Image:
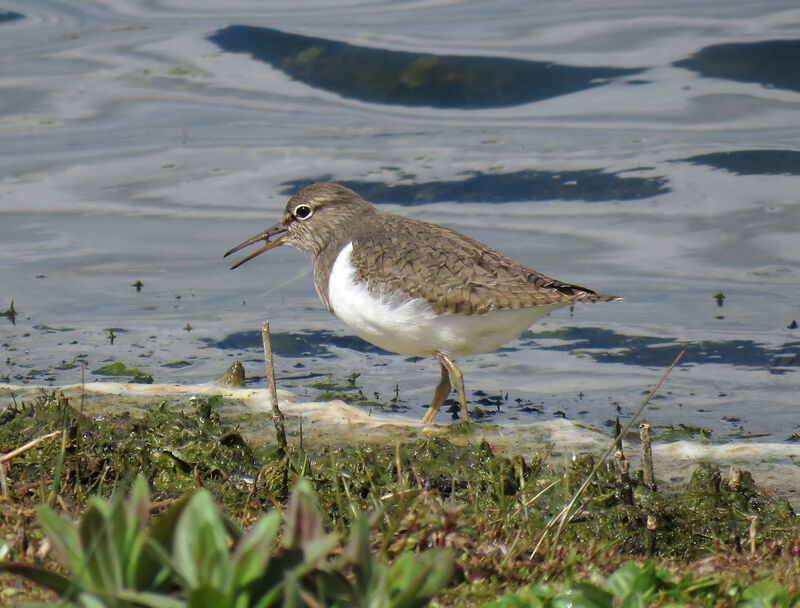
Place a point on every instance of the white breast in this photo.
(410, 327)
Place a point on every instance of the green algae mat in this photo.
(716, 532)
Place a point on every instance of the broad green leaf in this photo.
(149, 599)
(163, 530)
(167, 560)
(650, 581)
(583, 595)
(440, 571)
(200, 545)
(537, 590)
(620, 582)
(63, 538)
(414, 578)
(142, 570)
(88, 600)
(635, 599)
(101, 568)
(206, 596)
(319, 548)
(764, 594)
(128, 530)
(254, 551)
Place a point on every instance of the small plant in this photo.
(106, 553)
(194, 555)
(634, 586)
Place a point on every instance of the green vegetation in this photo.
(633, 586)
(194, 555)
(718, 541)
(118, 368)
(11, 313)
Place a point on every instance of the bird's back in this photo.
(451, 271)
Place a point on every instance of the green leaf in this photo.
(583, 595)
(358, 552)
(635, 599)
(101, 568)
(414, 578)
(63, 538)
(88, 600)
(705, 584)
(764, 594)
(540, 591)
(303, 520)
(649, 581)
(138, 504)
(620, 582)
(207, 595)
(318, 548)
(142, 570)
(291, 593)
(254, 552)
(41, 576)
(200, 546)
(515, 601)
(163, 531)
(150, 599)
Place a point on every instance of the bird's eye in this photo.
(303, 212)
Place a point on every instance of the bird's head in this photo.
(314, 217)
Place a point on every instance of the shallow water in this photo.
(137, 148)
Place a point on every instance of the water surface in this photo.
(646, 151)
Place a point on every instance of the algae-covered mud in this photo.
(477, 491)
(339, 425)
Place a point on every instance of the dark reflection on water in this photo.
(770, 62)
(526, 185)
(752, 162)
(659, 352)
(603, 345)
(6, 16)
(411, 79)
(306, 344)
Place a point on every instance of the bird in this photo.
(413, 287)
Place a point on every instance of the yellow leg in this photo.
(458, 380)
(442, 390)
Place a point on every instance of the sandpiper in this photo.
(410, 286)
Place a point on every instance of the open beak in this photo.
(264, 236)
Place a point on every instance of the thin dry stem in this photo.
(27, 446)
(647, 457)
(277, 415)
(563, 516)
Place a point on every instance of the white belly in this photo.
(411, 327)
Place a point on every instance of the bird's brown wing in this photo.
(453, 272)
